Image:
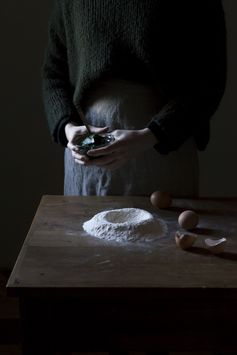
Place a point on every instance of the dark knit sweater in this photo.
(179, 46)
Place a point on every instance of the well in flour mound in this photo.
(125, 224)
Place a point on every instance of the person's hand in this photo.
(74, 134)
(128, 143)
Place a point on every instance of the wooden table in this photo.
(81, 293)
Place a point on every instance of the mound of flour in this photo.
(125, 224)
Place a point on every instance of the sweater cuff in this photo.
(161, 146)
(60, 135)
(172, 126)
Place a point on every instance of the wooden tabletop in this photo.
(58, 255)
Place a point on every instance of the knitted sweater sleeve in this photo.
(57, 91)
(199, 86)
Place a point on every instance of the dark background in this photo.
(31, 165)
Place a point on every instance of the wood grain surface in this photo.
(81, 293)
(57, 253)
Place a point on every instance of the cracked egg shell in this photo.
(185, 240)
(216, 246)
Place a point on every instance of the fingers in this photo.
(99, 129)
(81, 162)
(80, 132)
(110, 162)
(108, 149)
(109, 157)
(72, 147)
(107, 162)
(80, 158)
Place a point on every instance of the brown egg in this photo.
(161, 199)
(188, 219)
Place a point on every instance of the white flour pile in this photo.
(126, 224)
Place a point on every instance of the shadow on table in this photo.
(206, 252)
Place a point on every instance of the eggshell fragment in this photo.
(161, 199)
(188, 219)
(185, 240)
(216, 246)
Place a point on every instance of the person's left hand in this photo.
(128, 143)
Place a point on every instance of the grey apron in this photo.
(120, 104)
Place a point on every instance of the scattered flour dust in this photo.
(125, 225)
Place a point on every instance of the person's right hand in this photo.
(74, 134)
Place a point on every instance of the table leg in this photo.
(36, 336)
(28, 351)
(146, 353)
